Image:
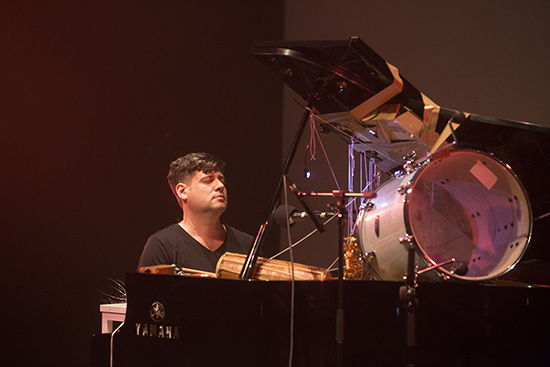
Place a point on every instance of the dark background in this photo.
(98, 97)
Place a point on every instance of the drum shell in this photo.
(452, 209)
(380, 225)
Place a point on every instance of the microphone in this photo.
(307, 207)
(295, 216)
(459, 268)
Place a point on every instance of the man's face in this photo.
(206, 192)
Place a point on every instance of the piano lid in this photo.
(350, 88)
(334, 76)
(355, 91)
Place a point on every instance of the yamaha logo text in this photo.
(155, 330)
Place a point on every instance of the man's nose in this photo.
(219, 184)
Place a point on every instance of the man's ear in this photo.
(181, 191)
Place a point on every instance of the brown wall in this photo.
(96, 99)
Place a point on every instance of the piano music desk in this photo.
(109, 314)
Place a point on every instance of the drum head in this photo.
(470, 207)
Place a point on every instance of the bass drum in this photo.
(464, 205)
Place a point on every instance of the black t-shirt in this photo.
(173, 245)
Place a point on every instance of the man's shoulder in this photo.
(170, 231)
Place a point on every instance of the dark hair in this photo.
(185, 166)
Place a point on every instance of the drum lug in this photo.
(410, 166)
(402, 190)
(410, 156)
(370, 255)
(407, 239)
(369, 206)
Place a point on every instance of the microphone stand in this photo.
(407, 295)
(342, 198)
(251, 259)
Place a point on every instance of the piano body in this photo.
(196, 322)
(212, 322)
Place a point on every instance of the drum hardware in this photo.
(402, 190)
(377, 226)
(410, 156)
(407, 295)
(367, 207)
(411, 164)
(409, 167)
(436, 266)
(370, 267)
(406, 240)
(459, 204)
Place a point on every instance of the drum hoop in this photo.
(419, 251)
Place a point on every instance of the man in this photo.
(199, 239)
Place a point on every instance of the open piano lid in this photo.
(351, 88)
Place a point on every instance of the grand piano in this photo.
(247, 323)
(193, 321)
